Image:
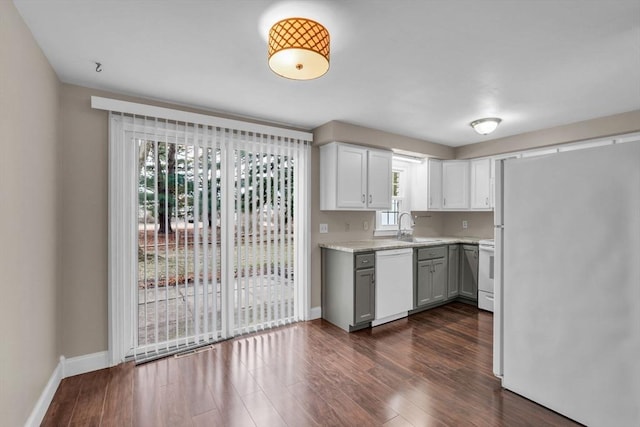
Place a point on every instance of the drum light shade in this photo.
(485, 126)
(299, 49)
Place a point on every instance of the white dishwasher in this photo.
(394, 285)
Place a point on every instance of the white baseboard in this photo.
(86, 363)
(315, 313)
(65, 368)
(39, 411)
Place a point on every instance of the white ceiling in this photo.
(424, 69)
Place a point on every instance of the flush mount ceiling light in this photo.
(298, 49)
(485, 126)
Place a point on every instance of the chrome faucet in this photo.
(404, 234)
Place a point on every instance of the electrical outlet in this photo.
(347, 226)
(324, 228)
(365, 225)
(465, 224)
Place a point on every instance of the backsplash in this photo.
(479, 224)
(344, 226)
(428, 224)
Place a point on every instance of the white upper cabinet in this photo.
(480, 184)
(417, 187)
(455, 184)
(379, 179)
(435, 184)
(354, 178)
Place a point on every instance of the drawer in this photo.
(432, 252)
(365, 261)
(485, 301)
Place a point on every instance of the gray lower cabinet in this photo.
(365, 294)
(453, 279)
(348, 288)
(431, 276)
(469, 272)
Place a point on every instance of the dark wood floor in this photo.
(432, 369)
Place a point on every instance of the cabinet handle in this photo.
(486, 202)
(444, 202)
(370, 199)
(363, 198)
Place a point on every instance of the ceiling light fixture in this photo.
(485, 126)
(299, 49)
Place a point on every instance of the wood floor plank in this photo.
(431, 369)
(262, 411)
(398, 421)
(208, 419)
(289, 409)
(147, 404)
(319, 410)
(118, 406)
(194, 387)
(64, 402)
(90, 404)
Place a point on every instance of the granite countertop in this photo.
(380, 244)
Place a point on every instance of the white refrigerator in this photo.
(567, 282)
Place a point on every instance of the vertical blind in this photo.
(220, 227)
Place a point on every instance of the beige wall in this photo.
(346, 132)
(83, 222)
(28, 219)
(596, 128)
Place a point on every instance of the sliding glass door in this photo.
(219, 225)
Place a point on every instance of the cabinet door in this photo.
(439, 280)
(435, 184)
(352, 175)
(481, 184)
(455, 185)
(469, 273)
(419, 187)
(379, 180)
(364, 298)
(454, 267)
(424, 283)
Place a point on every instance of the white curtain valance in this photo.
(126, 107)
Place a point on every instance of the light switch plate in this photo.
(324, 228)
(465, 224)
